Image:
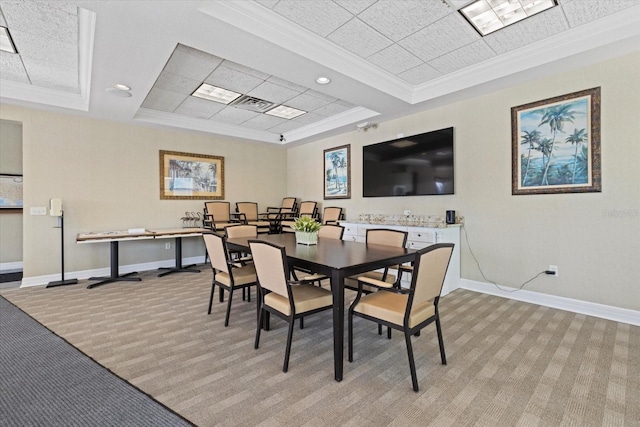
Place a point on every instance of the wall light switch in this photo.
(38, 210)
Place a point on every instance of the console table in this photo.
(418, 237)
(114, 237)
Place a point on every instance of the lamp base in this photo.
(62, 283)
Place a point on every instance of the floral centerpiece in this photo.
(306, 229)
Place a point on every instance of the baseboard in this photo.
(11, 266)
(608, 312)
(98, 272)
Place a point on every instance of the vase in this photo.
(307, 238)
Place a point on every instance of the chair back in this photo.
(384, 236)
(308, 209)
(249, 209)
(221, 211)
(271, 266)
(242, 230)
(429, 270)
(288, 205)
(217, 250)
(330, 231)
(331, 215)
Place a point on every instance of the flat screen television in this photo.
(418, 165)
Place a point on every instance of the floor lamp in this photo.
(56, 210)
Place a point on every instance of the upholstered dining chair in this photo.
(331, 215)
(217, 215)
(280, 296)
(408, 310)
(248, 214)
(326, 231)
(226, 274)
(307, 208)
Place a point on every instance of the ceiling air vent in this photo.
(250, 103)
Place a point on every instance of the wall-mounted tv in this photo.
(417, 165)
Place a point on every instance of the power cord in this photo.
(466, 237)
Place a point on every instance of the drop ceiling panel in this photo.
(306, 102)
(231, 79)
(580, 12)
(320, 16)
(177, 83)
(394, 59)
(466, 56)
(163, 100)
(12, 68)
(273, 92)
(355, 6)
(198, 108)
(234, 116)
(359, 38)
(420, 74)
(263, 122)
(191, 63)
(408, 16)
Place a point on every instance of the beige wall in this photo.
(593, 238)
(10, 163)
(107, 175)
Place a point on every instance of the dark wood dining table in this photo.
(336, 259)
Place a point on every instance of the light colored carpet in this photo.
(509, 363)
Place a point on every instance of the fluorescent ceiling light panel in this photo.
(6, 43)
(217, 94)
(488, 16)
(285, 112)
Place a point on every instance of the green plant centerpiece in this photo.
(306, 229)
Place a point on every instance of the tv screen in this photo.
(417, 165)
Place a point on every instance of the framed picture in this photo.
(337, 173)
(10, 192)
(185, 176)
(555, 145)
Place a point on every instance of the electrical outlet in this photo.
(554, 269)
(167, 245)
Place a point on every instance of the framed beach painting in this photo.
(337, 173)
(555, 145)
(10, 192)
(186, 176)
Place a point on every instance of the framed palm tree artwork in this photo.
(337, 173)
(555, 145)
(186, 176)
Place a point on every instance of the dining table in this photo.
(337, 259)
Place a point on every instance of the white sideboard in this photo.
(417, 238)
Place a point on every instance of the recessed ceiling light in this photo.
(6, 42)
(285, 112)
(118, 92)
(214, 93)
(488, 16)
(120, 86)
(323, 80)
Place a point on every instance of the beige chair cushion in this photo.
(259, 223)
(376, 276)
(305, 297)
(241, 276)
(390, 306)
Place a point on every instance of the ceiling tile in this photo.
(286, 127)
(355, 6)
(12, 68)
(163, 100)
(580, 12)
(50, 20)
(331, 109)
(308, 118)
(177, 83)
(194, 66)
(306, 102)
(320, 16)
(445, 35)
(398, 19)
(287, 84)
(199, 108)
(45, 49)
(263, 122)
(420, 74)
(247, 70)
(464, 57)
(359, 38)
(394, 59)
(52, 75)
(233, 115)
(3, 23)
(538, 27)
(232, 79)
(321, 95)
(273, 92)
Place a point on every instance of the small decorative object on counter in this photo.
(306, 229)
(191, 219)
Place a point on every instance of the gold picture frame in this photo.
(188, 176)
(337, 172)
(555, 145)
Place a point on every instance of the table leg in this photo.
(114, 277)
(337, 288)
(179, 267)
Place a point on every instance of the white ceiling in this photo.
(385, 58)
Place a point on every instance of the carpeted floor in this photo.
(509, 363)
(46, 381)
